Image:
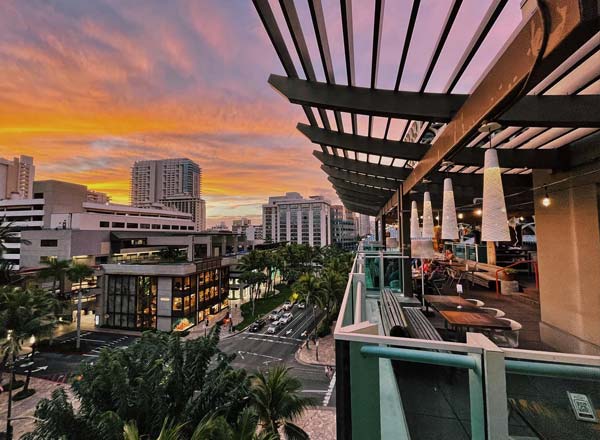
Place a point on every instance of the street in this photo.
(259, 350)
(253, 351)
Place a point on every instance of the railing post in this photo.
(381, 271)
(365, 395)
(489, 414)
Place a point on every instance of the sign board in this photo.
(582, 407)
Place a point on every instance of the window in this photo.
(47, 259)
(155, 226)
(132, 225)
(144, 226)
(174, 227)
(104, 224)
(166, 226)
(118, 225)
(38, 195)
(49, 243)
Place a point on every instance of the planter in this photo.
(508, 287)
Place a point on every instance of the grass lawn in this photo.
(263, 306)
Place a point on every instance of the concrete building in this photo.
(63, 205)
(175, 183)
(239, 226)
(16, 178)
(342, 227)
(97, 197)
(364, 225)
(294, 219)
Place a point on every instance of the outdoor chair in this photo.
(476, 302)
(507, 338)
(494, 312)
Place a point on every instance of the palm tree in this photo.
(306, 286)
(55, 269)
(6, 232)
(23, 313)
(77, 273)
(330, 292)
(276, 398)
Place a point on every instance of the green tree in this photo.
(277, 401)
(77, 273)
(306, 287)
(330, 291)
(156, 378)
(23, 313)
(55, 270)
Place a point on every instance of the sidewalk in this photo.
(319, 423)
(199, 330)
(326, 352)
(26, 407)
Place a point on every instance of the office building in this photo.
(175, 183)
(16, 177)
(294, 219)
(239, 226)
(62, 205)
(343, 228)
(364, 225)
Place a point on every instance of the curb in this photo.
(317, 364)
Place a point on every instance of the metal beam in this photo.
(372, 198)
(399, 174)
(529, 111)
(546, 40)
(434, 107)
(338, 183)
(509, 158)
(360, 179)
(347, 31)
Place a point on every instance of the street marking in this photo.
(272, 342)
(94, 340)
(241, 355)
(278, 337)
(314, 391)
(45, 367)
(261, 355)
(329, 391)
(91, 355)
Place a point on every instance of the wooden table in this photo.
(466, 319)
(447, 301)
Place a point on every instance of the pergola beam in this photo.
(508, 158)
(360, 179)
(557, 31)
(529, 111)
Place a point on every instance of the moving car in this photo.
(287, 317)
(274, 327)
(301, 305)
(287, 305)
(256, 325)
(275, 315)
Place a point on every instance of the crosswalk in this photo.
(104, 344)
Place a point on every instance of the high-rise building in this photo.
(364, 225)
(343, 229)
(240, 226)
(175, 183)
(294, 219)
(16, 177)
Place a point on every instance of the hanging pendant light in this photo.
(494, 222)
(449, 223)
(415, 231)
(427, 216)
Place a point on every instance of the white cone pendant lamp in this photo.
(449, 223)
(415, 232)
(494, 223)
(427, 216)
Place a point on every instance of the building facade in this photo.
(175, 183)
(16, 178)
(63, 206)
(343, 229)
(364, 225)
(294, 219)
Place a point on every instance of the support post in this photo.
(364, 394)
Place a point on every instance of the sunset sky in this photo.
(88, 87)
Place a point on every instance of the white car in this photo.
(272, 329)
(287, 305)
(301, 305)
(287, 317)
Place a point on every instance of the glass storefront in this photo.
(131, 302)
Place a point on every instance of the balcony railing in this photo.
(402, 388)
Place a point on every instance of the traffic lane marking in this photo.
(273, 342)
(329, 390)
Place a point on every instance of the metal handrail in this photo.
(516, 263)
(422, 356)
(552, 370)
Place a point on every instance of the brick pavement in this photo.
(26, 407)
(326, 352)
(319, 423)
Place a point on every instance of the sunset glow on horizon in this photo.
(89, 87)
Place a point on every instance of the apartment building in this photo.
(16, 177)
(294, 219)
(343, 228)
(174, 183)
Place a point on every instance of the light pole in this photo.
(9, 430)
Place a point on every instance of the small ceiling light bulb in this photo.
(546, 200)
(522, 218)
(460, 215)
(478, 212)
(437, 217)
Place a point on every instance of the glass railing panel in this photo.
(435, 399)
(372, 272)
(545, 407)
(392, 274)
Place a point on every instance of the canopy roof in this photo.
(542, 87)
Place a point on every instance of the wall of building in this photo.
(568, 236)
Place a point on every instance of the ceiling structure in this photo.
(543, 88)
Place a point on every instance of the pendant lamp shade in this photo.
(449, 224)
(494, 223)
(415, 232)
(427, 216)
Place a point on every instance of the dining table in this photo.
(470, 319)
(448, 302)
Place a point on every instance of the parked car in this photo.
(256, 325)
(272, 329)
(301, 305)
(287, 317)
(287, 305)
